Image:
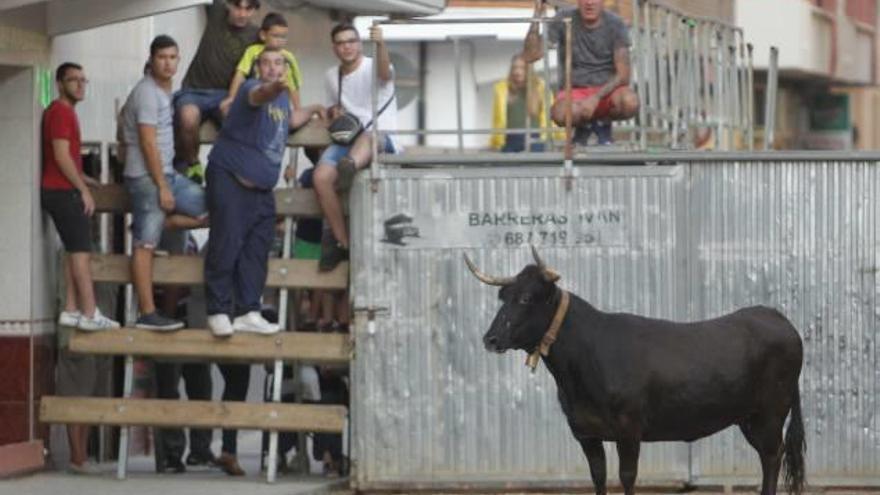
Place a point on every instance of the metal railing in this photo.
(692, 74)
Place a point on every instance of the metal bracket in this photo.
(371, 311)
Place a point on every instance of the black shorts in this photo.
(66, 209)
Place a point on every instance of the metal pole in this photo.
(456, 53)
(743, 83)
(130, 309)
(128, 383)
(770, 99)
(528, 136)
(548, 98)
(719, 89)
(733, 98)
(705, 68)
(569, 152)
(641, 73)
(693, 76)
(104, 178)
(652, 95)
(374, 163)
(278, 370)
(670, 95)
(750, 91)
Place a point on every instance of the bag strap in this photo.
(339, 98)
(386, 105)
(339, 87)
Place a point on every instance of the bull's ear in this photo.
(550, 275)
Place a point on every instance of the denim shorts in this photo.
(334, 152)
(148, 217)
(208, 101)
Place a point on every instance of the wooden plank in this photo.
(192, 413)
(199, 344)
(311, 134)
(110, 198)
(293, 202)
(20, 458)
(298, 202)
(189, 270)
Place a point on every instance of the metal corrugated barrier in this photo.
(432, 409)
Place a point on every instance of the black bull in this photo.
(628, 379)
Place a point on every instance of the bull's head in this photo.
(529, 302)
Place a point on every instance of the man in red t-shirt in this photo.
(65, 196)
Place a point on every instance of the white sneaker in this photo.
(87, 468)
(69, 318)
(96, 323)
(220, 325)
(254, 322)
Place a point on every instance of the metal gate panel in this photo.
(431, 407)
(802, 237)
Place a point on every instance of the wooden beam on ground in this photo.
(201, 345)
(189, 270)
(311, 134)
(194, 414)
(293, 202)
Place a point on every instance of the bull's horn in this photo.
(549, 274)
(486, 279)
(538, 260)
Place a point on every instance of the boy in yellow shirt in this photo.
(273, 34)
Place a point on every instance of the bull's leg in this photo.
(628, 451)
(595, 453)
(765, 435)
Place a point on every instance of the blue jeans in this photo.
(208, 101)
(148, 216)
(242, 231)
(334, 152)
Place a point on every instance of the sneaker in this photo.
(195, 172)
(229, 464)
(581, 135)
(96, 323)
(172, 465)
(254, 322)
(332, 253)
(155, 321)
(220, 325)
(346, 170)
(69, 318)
(603, 133)
(86, 468)
(201, 458)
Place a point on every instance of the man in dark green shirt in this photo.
(228, 33)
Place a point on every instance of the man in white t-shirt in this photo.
(338, 164)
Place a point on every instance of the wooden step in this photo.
(189, 270)
(201, 345)
(291, 201)
(311, 134)
(195, 414)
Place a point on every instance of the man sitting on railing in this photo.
(600, 68)
(349, 88)
(160, 196)
(227, 35)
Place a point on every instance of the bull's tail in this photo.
(795, 448)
